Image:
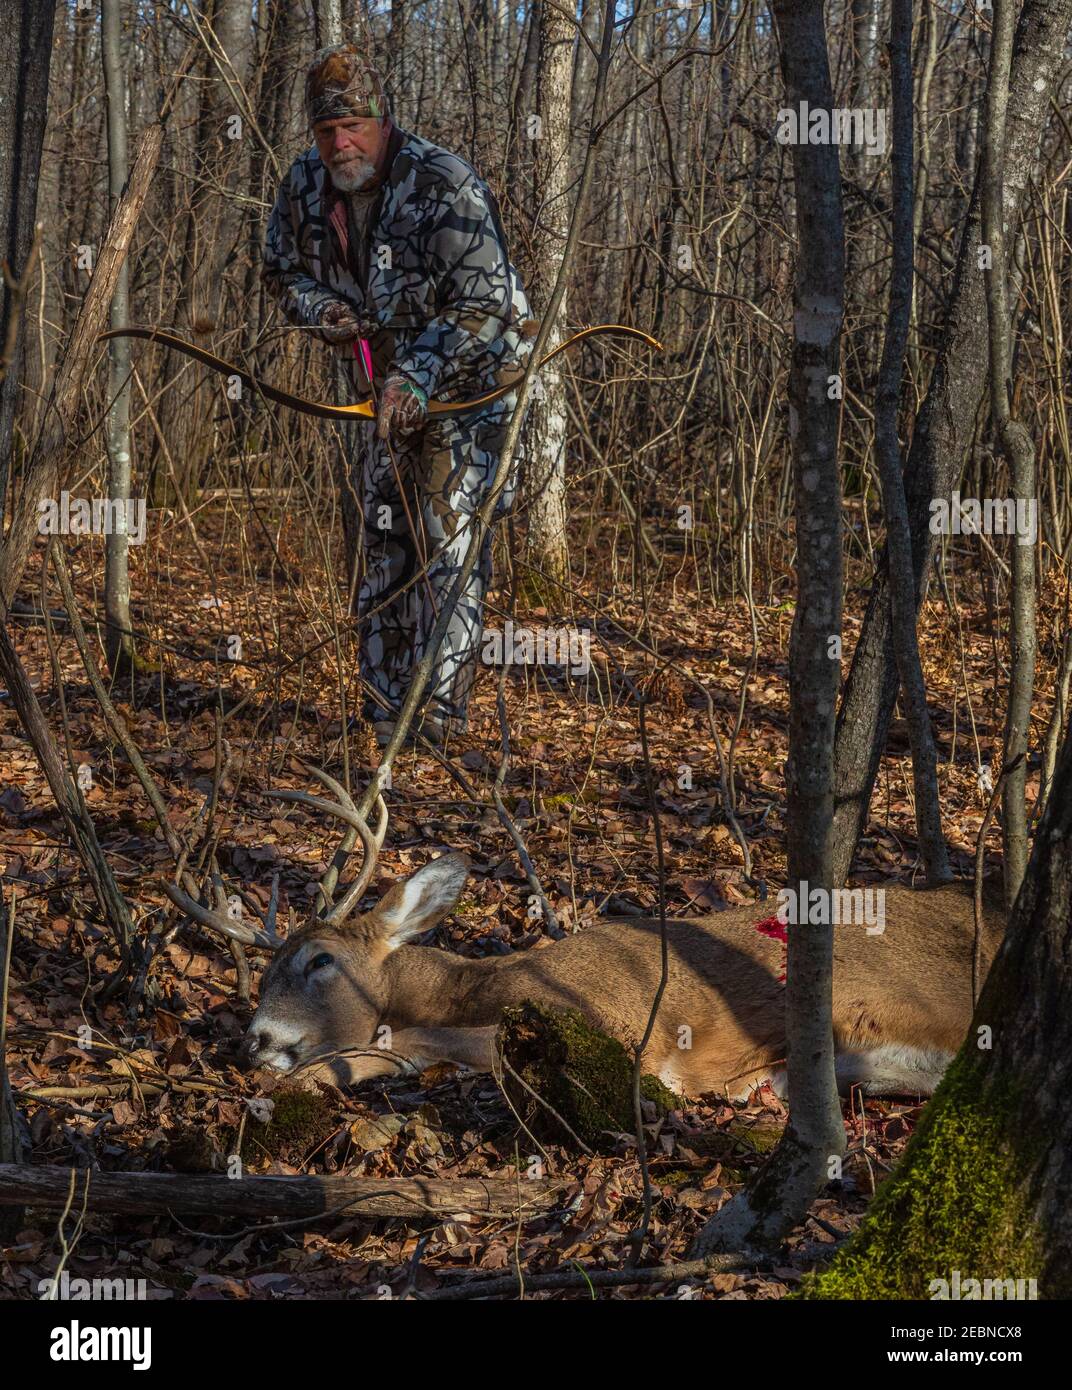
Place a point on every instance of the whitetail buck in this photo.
(902, 995)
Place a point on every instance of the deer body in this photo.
(902, 995)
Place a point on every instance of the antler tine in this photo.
(248, 936)
(371, 842)
(344, 797)
(326, 895)
(355, 891)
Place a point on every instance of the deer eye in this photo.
(318, 962)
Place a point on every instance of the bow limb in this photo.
(618, 330)
(365, 410)
(360, 410)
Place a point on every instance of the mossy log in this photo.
(581, 1076)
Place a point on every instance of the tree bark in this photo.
(1019, 453)
(544, 476)
(119, 644)
(943, 429)
(23, 106)
(48, 462)
(799, 1166)
(888, 451)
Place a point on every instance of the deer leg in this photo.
(469, 1047)
(893, 1069)
(411, 1050)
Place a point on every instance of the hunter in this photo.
(393, 250)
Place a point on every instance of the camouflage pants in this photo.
(415, 506)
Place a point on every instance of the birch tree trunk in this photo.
(118, 641)
(787, 1185)
(544, 481)
(328, 22)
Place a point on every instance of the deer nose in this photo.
(252, 1043)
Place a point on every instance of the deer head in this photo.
(326, 981)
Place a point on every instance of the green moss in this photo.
(561, 801)
(761, 1139)
(301, 1121)
(955, 1202)
(584, 1075)
(678, 1177)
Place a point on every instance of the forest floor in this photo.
(577, 788)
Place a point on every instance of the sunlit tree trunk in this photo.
(789, 1182)
(118, 642)
(544, 492)
(1019, 453)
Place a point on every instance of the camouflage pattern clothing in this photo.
(442, 305)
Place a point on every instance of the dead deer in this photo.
(352, 983)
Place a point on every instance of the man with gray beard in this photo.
(393, 248)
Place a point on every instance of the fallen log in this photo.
(267, 1198)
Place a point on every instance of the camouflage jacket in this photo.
(442, 304)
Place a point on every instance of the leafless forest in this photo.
(780, 652)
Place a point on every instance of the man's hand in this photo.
(339, 323)
(402, 409)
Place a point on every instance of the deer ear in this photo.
(421, 900)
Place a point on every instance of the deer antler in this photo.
(219, 921)
(343, 808)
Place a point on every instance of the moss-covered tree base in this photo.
(955, 1203)
(581, 1073)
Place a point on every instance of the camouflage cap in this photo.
(341, 82)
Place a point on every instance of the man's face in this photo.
(350, 148)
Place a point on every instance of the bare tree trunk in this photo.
(23, 105)
(27, 26)
(929, 22)
(943, 429)
(213, 223)
(888, 450)
(544, 484)
(226, 143)
(1019, 452)
(119, 644)
(328, 22)
(799, 1166)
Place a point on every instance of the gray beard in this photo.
(351, 176)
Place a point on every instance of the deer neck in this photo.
(428, 987)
